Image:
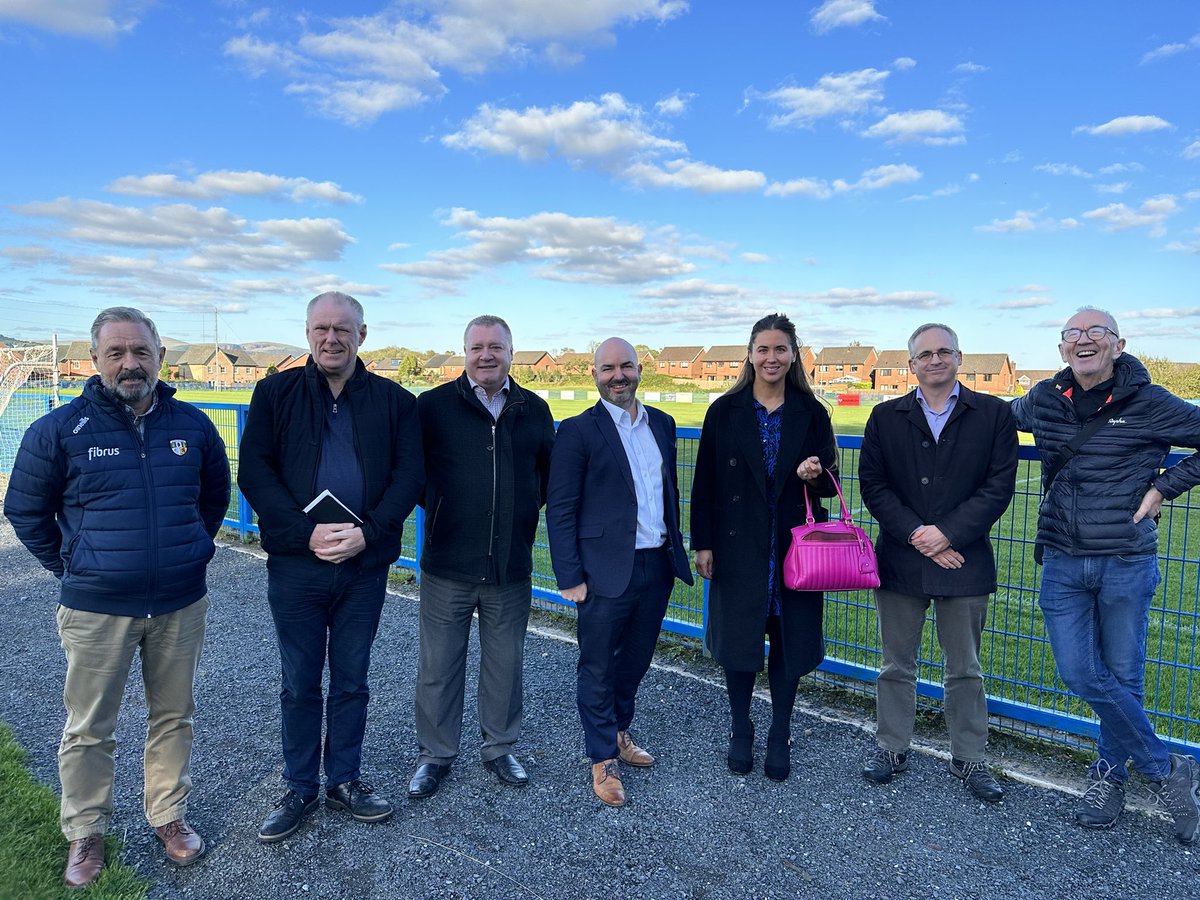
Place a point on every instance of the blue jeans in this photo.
(1097, 611)
(318, 605)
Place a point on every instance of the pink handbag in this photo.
(830, 556)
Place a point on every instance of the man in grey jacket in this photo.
(1098, 534)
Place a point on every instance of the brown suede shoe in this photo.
(182, 844)
(631, 753)
(606, 783)
(85, 859)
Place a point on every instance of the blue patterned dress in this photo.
(770, 427)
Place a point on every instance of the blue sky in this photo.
(662, 170)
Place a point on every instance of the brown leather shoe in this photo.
(85, 859)
(606, 783)
(631, 753)
(182, 844)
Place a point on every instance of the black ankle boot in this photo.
(740, 757)
(778, 764)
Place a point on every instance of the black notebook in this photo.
(327, 509)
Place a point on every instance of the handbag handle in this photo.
(808, 502)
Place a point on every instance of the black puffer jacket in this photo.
(1089, 508)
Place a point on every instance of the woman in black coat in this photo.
(761, 442)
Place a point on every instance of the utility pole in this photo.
(56, 399)
(216, 352)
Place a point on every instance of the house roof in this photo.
(1036, 375)
(679, 354)
(529, 357)
(455, 362)
(389, 362)
(436, 361)
(573, 357)
(987, 363)
(892, 359)
(75, 350)
(842, 356)
(725, 353)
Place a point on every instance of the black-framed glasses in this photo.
(942, 353)
(1095, 333)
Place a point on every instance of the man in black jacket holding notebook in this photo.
(331, 426)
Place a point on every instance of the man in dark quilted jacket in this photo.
(119, 494)
(1098, 532)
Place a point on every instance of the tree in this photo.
(164, 371)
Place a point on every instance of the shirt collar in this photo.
(475, 385)
(620, 416)
(953, 396)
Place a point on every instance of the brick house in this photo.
(453, 367)
(1027, 378)
(432, 367)
(837, 367)
(534, 361)
(988, 373)
(388, 367)
(75, 360)
(723, 362)
(679, 362)
(892, 374)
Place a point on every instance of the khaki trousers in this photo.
(99, 650)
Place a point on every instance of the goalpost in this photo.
(19, 407)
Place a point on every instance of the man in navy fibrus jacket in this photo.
(120, 493)
(612, 513)
(329, 426)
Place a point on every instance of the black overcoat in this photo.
(729, 517)
(961, 483)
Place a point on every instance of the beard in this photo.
(131, 386)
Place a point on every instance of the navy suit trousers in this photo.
(617, 636)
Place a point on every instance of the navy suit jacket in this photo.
(591, 504)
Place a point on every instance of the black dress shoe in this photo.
(740, 757)
(507, 769)
(286, 817)
(426, 780)
(778, 764)
(359, 799)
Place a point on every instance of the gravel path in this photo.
(690, 829)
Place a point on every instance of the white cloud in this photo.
(700, 177)
(1172, 49)
(1191, 151)
(1117, 187)
(1118, 168)
(748, 256)
(214, 185)
(871, 180)
(1123, 125)
(609, 135)
(1162, 312)
(1062, 169)
(1024, 303)
(674, 105)
(357, 68)
(95, 19)
(903, 63)
(970, 68)
(1033, 288)
(1184, 247)
(559, 247)
(1152, 214)
(843, 13)
(692, 288)
(947, 191)
(869, 297)
(931, 127)
(1027, 220)
(833, 95)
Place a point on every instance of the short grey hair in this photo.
(1104, 312)
(488, 322)
(930, 326)
(340, 297)
(123, 314)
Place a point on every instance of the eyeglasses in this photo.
(926, 355)
(1095, 333)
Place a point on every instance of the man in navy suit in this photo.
(612, 512)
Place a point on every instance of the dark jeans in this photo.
(323, 611)
(617, 636)
(1097, 612)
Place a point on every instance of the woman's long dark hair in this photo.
(795, 375)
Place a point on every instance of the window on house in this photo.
(987, 377)
(886, 373)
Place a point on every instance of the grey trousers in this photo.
(959, 622)
(445, 620)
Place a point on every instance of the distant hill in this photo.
(13, 342)
(267, 347)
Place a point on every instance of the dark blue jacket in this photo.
(125, 521)
(1088, 510)
(281, 447)
(591, 507)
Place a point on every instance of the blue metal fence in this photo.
(1024, 692)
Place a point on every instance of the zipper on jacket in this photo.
(148, 481)
(495, 490)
